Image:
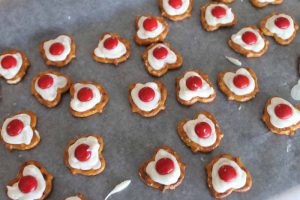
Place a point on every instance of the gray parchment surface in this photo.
(130, 139)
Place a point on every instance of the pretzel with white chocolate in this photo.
(59, 51)
(176, 10)
(150, 29)
(19, 131)
(112, 49)
(13, 66)
(164, 171)
(84, 155)
(281, 26)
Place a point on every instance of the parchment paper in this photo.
(130, 139)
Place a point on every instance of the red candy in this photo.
(85, 94)
(241, 81)
(27, 184)
(57, 48)
(14, 127)
(194, 83)
(150, 24)
(146, 94)
(160, 53)
(111, 43)
(82, 152)
(164, 166)
(175, 3)
(8, 62)
(203, 130)
(227, 173)
(249, 37)
(45, 81)
(218, 12)
(283, 111)
(282, 23)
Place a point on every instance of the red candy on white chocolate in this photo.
(160, 53)
(160, 57)
(58, 51)
(150, 29)
(8, 62)
(82, 152)
(241, 81)
(281, 117)
(88, 98)
(175, 3)
(33, 182)
(249, 37)
(111, 43)
(18, 131)
(27, 184)
(282, 22)
(164, 166)
(150, 24)
(14, 127)
(227, 173)
(13, 66)
(203, 130)
(283, 111)
(146, 94)
(56, 48)
(85, 94)
(49, 86)
(218, 12)
(194, 83)
(45, 81)
(112, 48)
(249, 41)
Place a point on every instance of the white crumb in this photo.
(295, 92)
(234, 61)
(288, 147)
(240, 107)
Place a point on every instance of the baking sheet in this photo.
(130, 139)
